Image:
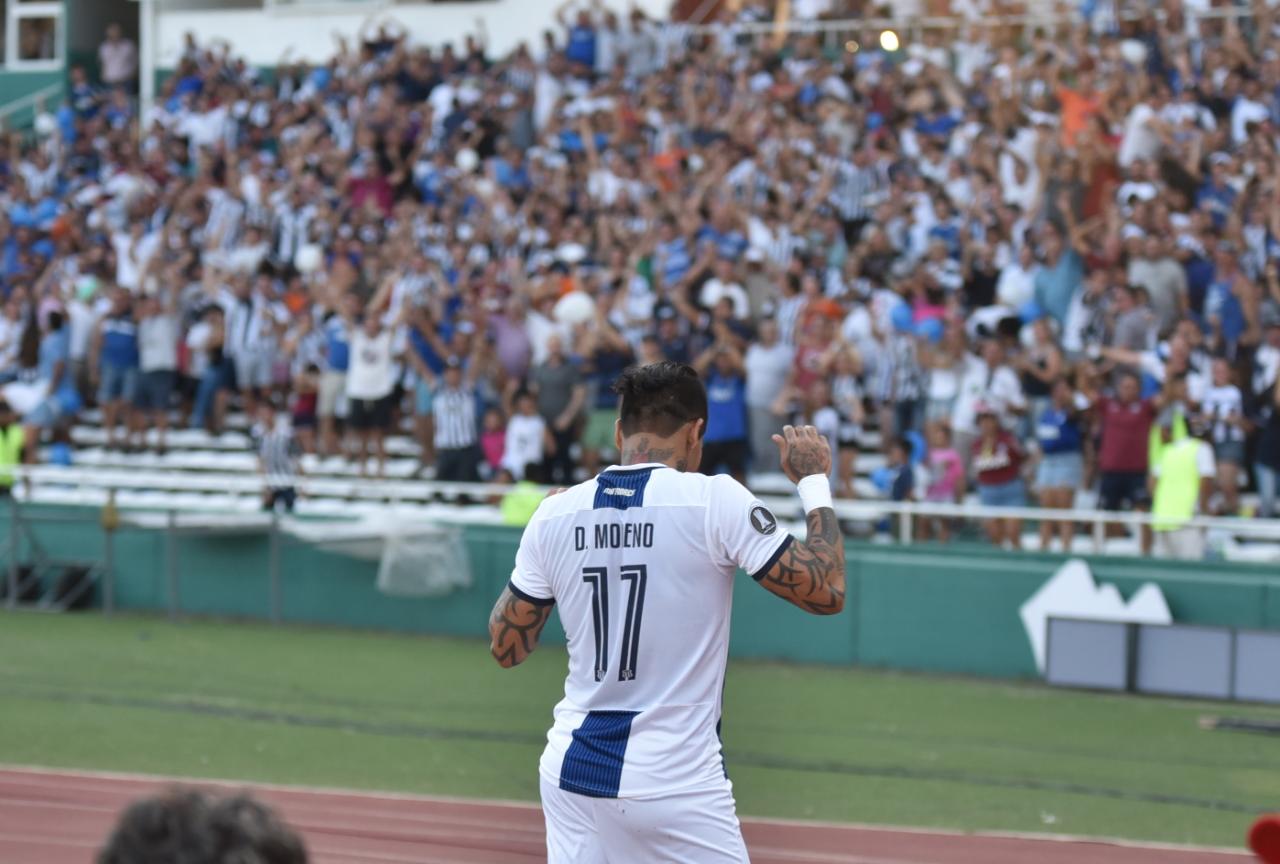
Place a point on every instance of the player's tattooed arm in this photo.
(514, 628)
(809, 574)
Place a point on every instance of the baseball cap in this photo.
(665, 312)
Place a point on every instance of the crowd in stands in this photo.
(1026, 257)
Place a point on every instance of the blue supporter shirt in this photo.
(582, 46)
(1217, 200)
(726, 408)
(55, 348)
(1058, 432)
(337, 342)
(675, 259)
(119, 342)
(428, 354)
(1222, 304)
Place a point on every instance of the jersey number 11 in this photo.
(598, 579)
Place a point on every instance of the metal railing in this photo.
(103, 484)
(34, 100)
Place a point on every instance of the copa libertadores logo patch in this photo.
(762, 520)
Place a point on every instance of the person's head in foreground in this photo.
(187, 826)
(662, 413)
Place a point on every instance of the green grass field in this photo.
(371, 711)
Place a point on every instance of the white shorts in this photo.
(699, 826)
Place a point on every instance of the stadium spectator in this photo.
(1060, 471)
(997, 458)
(1181, 485)
(875, 234)
(457, 440)
(118, 59)
(199, 828)
(724, 443)
(370, 383)
(279, 458)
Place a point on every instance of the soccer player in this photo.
(641, 561)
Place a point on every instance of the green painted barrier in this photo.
(934, 608)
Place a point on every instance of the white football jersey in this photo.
(640, 561)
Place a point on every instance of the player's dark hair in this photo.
(189, 826)
(660, 398)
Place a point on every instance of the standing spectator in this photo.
(767, 364)
(1158, 273)
(426, 351)
(1061, 469)
(1041, 366)
(557, 385)
(457, 433)
(331, 402)
(724, 442)
(211, 367)
(370, 381)
(946, 479)
(157, 363)
(53, 373)
(997, 459)
(844, 365)
(1181, 483)
(1267, 469)
(1062, 275)
(118, 59)
(988, 381)
(279, 458)
(254, 321)
(114, 366)
(606, 353)
(1222, 413)
(1124, 422)
(527, 439)
(12, 440)
(901, 471)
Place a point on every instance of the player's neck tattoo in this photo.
(641, 450)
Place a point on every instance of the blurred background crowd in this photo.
(1036, 264)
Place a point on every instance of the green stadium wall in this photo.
(948, 609)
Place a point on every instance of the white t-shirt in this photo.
(371, 374)
(129, 266)
(158, 343)
(1139, 140)
(714, 289)
(641, 562)
(523, 447)
(1001, 388)
(767, 370)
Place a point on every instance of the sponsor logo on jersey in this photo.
(616, 490)
(762, 520)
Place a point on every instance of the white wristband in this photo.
(815, 492)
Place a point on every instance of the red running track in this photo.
(60, 817)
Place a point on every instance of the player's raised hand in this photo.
(803, 452)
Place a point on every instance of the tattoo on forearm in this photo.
(640, 451)
(811, 574)
(808, 457)
(514, 628)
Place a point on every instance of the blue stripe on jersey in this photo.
(593, 763)
(621, 490)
